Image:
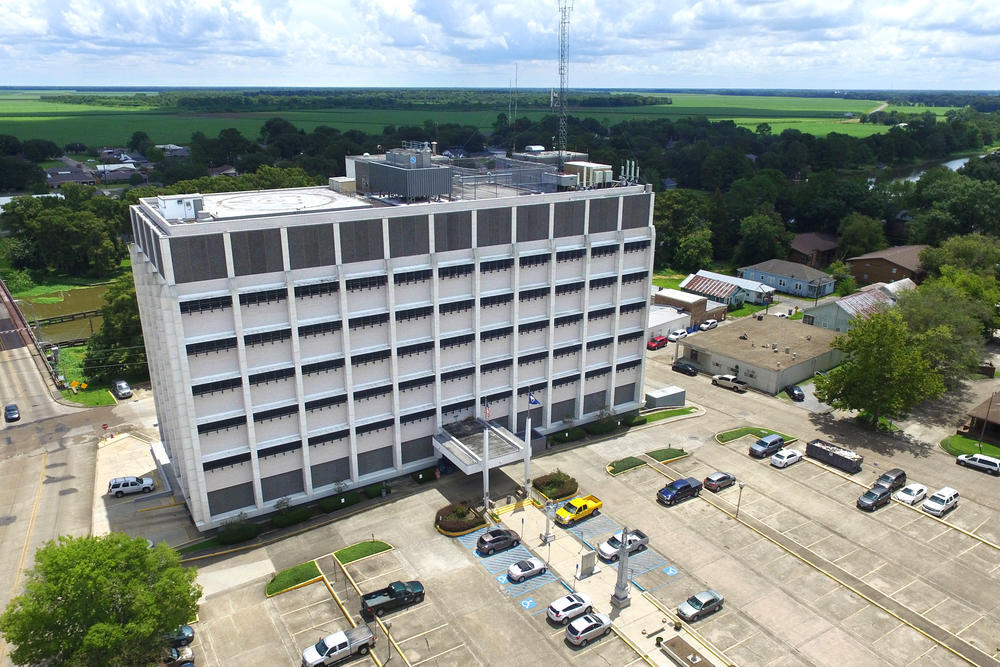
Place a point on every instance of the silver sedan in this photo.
(523, 569)
(700, 605)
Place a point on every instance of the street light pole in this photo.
(986, 419)
(739, 499)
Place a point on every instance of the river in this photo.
(73, 301)
(954, 164)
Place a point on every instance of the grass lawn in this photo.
(959, 444)
(668, 281)
(71, 367)
(667, 414)
(211, 542)
(729, 436)
(627, 463)
(360, 550)
(746, 309)
(291, 577)
(666, 454)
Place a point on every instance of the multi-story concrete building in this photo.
(304, 340)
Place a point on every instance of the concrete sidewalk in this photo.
(640, 623)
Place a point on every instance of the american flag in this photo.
(486, 409)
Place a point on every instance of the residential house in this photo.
(837, 315)
(56, 177)
(699, 307)
(727, 289)
(173, 150)
(888, 265)
(814, 249)
(984, 421)
(223, 170)
(790, 278)
(113, 173)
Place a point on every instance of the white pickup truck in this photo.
(730, 382)
(339, 645)
(636, 541)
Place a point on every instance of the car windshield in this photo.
(694, 602)
(321, 647)
(937, 498)
(570, 509)
(523, 565)
(870, 495)
(614, 542)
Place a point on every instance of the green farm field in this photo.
(28, 117)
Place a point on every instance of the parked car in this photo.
(119, 486)
(525, 569)
(11, 413)
(395, 595)
(684, 367)
(341, 644)
(656, 342)
(676, 335)
(782, 315)
(980, 462)
(708, 324)
(565, 609)
(785, 457)
(795, 393)
(181, 636)
(943, 500)
(678, 490)
(911, 494)
(498, 539)
(892, 479)
(873, 498)
(700, 605)
(767, 446)
(577, 509)
(637, 540)
(588, 627)
(730, 382)
(121, 389)
(178, 656)
(717, 481)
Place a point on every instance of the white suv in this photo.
(119, 486)
(980, 462)
(942, 501)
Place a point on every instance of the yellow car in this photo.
(577, 509)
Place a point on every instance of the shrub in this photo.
(457, 517)
(556, 485)
(375, 490)
(666, 454)
(568, 435)
(634, 420)
(602, 427)
(293, 576)
(290, 517)
(238, 530)
(627, 463)
(424, 476)
(339, 501)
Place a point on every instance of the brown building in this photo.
(889, 265)
(699, 307)
(813, 249)
(986, 413)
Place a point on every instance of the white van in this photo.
(980, 462)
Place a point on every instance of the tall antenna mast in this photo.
(565, 9)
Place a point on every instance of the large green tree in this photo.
(117, 349)
(884, 374)
(859, 234)
(971, 252)
(99, 601)
(762, 237)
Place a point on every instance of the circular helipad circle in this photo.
(258, 202)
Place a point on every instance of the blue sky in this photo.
(890, 44)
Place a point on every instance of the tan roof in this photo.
(802, 340)
(906, 256)
(807, 242)
(979, 412)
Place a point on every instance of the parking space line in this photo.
(434, 657)
(381, 574)
(918, 658)
(798, 526)
(421, 634)
(292, 611)
(970, 625)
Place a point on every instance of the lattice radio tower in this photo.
(565, 9)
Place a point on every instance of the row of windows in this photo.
(208, 303)
(534, 260)
(368, 282)
(366, 321)
(566, 351)
(456, 271)
(412, 277)
(320, 328)
(267, 337)
(264, 296)
(604, 250)
(495, 265)
(497, 300)
(316, 289)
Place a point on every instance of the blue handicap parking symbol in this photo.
(670, 570)
(502, 578)
(528, 603)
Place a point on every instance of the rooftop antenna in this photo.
(565, 9)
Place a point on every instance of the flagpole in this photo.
(527, 455)
(486, 470)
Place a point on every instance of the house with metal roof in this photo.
(790, 278)
(730, 290)
(837, 315)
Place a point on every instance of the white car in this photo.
(587, 627)
(781, 314)
(942, 501)
(911, 494)
(523, 569)
(785, 457)
(708, 324)
(676, 335)
(568, 607)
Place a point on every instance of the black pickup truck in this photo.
(395, 595)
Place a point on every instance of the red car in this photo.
(656, 342)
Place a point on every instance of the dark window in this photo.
(636, 246)
(503, 365)
(326, 402)
(496, 265)
(603, 215)
(412, 277)
(409, 236)
(626, 365)
(317, 289)
(532, 358)
(492, 334)
(219, 385)
(211, 346)
(569, 218)
(375, 426)
(319, 329)
(532, 222)
(322, 366)
(332, 436)
(455, 341)
(361, 240)
(264, 296)
(374, 392)
(527, 295)
(566, 351)
(366, 321)
(457, 306)
(198, 258)
(625, 393)
(635, 211)
(370, 357)
(492, 227)
(603, 250)
(414, 313)
(528, 327)
(234, 460)
(456, 271)
(457, 374)
(311, 245)
(629, 337)
(280, 449)
(417, 383)
(375, 460)
(570, 255)
(596, 373)
(570, 288)
(452, 231)
(222, 424)
(568, 319)
(632, 307)
(566, 380)
(212, 303)
(369, 282)
(460, 405)
(598, 283)
(535, 260)
(635, 277)
(496, 300)
(272, 376)
(276, 413)
(600, 314)
(416, 348)
(267, 337)
(598, 344)
(418, 416)
(256, 251)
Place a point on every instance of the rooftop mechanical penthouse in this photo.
(308, 340)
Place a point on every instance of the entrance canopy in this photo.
(462, 444)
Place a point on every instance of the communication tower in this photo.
(565, 9)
